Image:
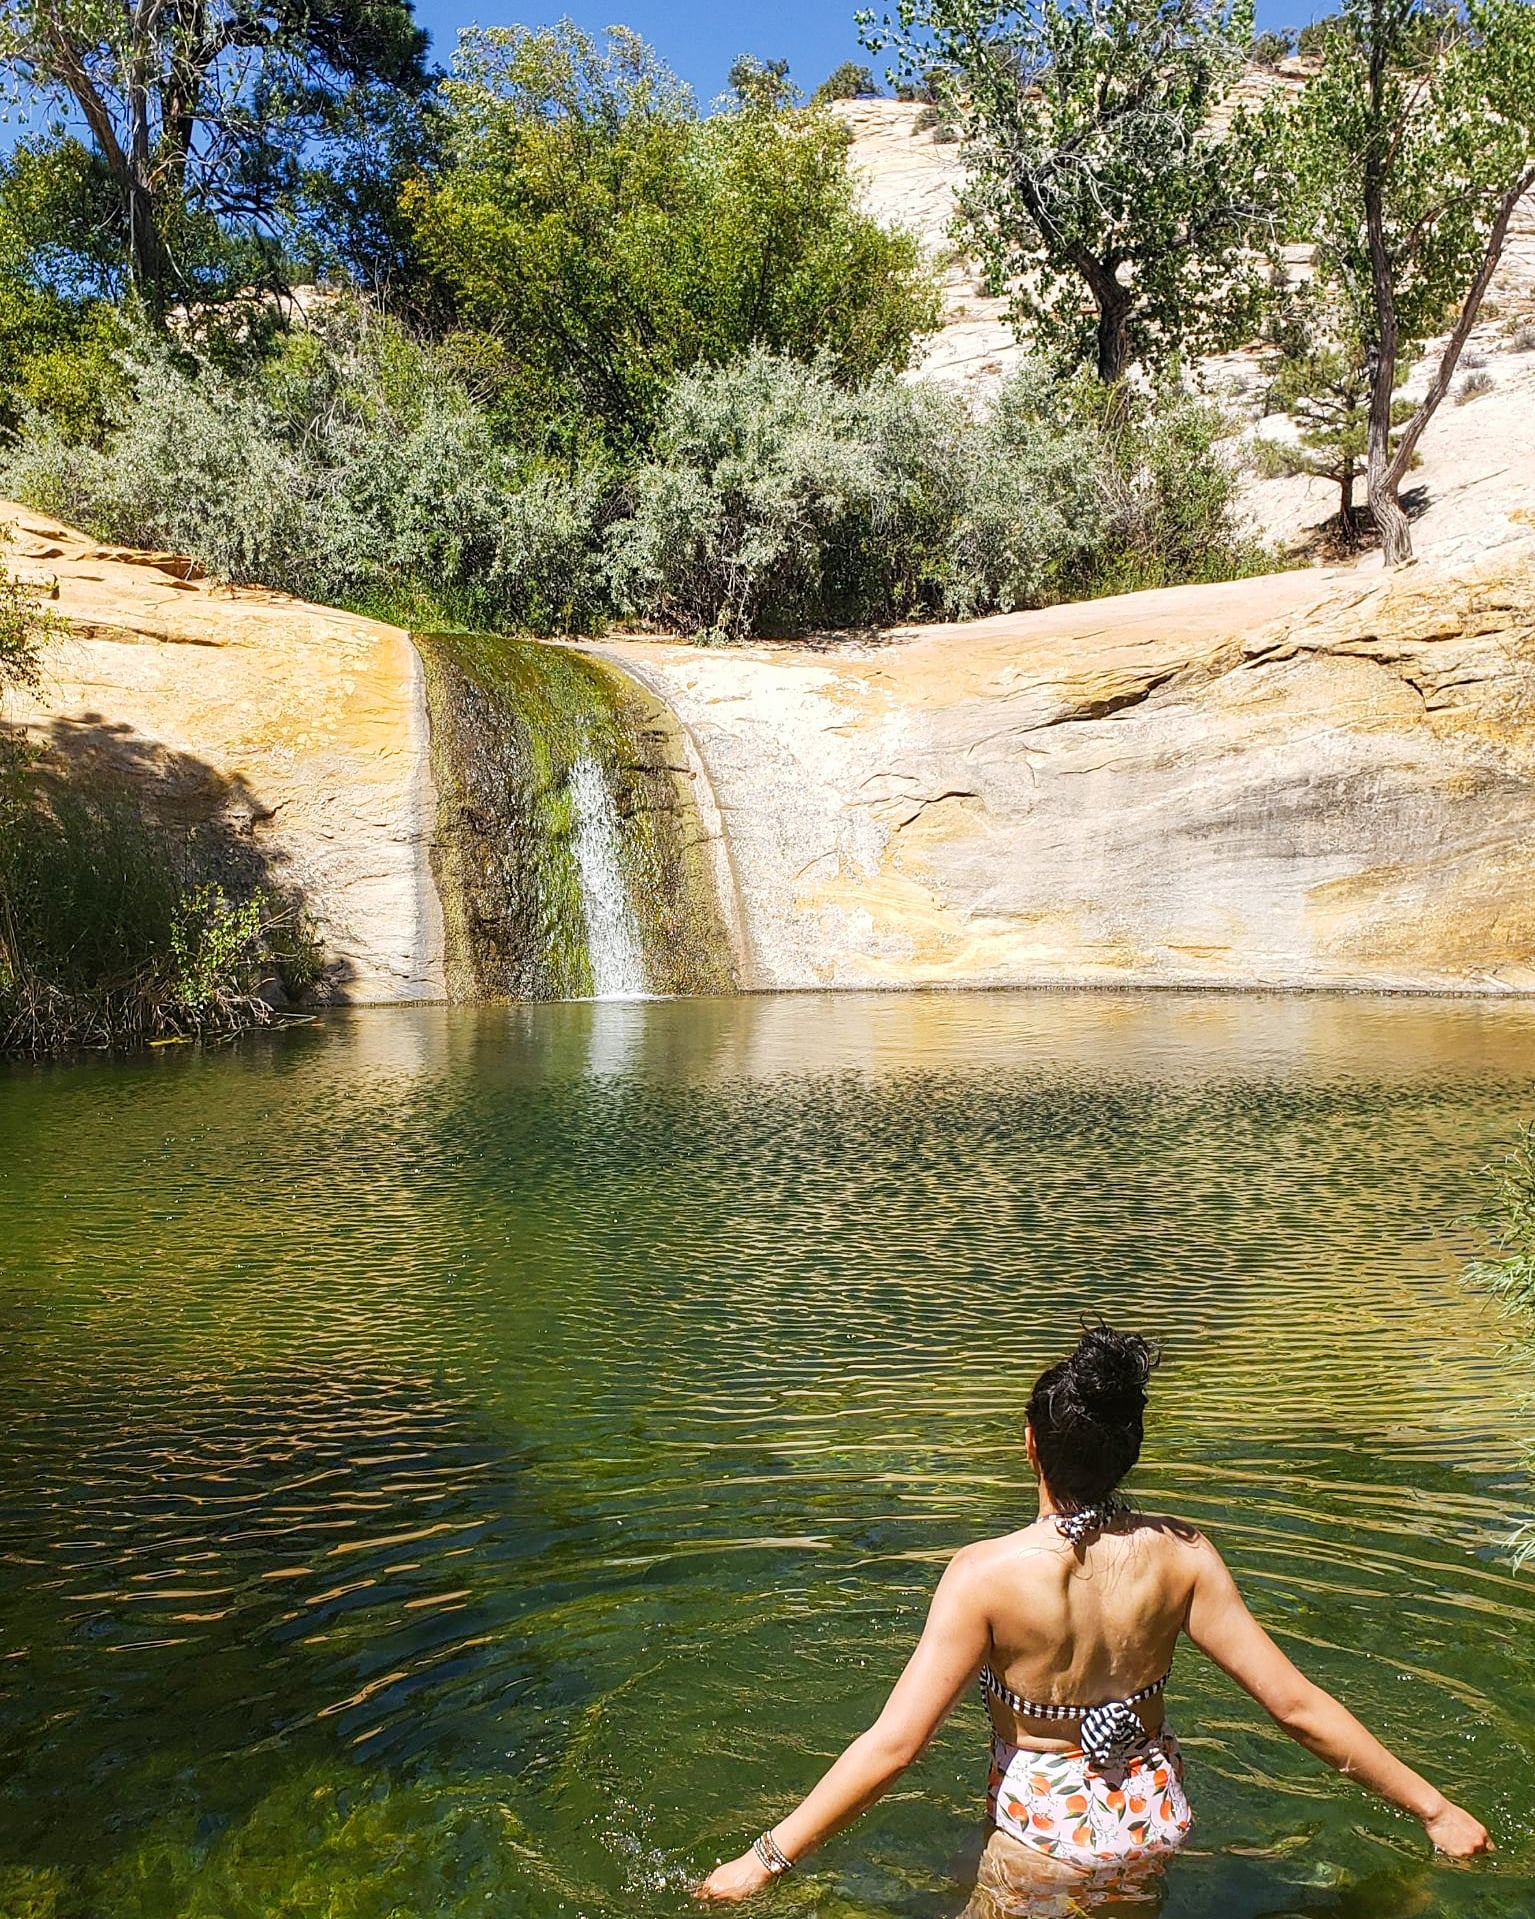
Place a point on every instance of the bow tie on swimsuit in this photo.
(1110, 1732)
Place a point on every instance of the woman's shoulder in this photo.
(1004, 1551)
(1168, 1526)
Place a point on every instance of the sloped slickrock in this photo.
(293, 736)
(1304, 780)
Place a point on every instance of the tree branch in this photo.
(1448, 360)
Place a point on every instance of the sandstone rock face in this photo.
(1305, 780)
(908, 179)
(297, 732)
(1313, 779)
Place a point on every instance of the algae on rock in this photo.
(546, 761)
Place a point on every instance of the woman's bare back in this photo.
(1081, 1624)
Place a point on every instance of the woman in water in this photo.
(1070, 1624)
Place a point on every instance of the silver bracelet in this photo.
(770, 1855)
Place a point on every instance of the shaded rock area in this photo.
(1309, 779)
(269, 741)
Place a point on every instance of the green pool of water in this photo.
(460, 1462)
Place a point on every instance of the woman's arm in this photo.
(1220, 1625)
(952, 1646)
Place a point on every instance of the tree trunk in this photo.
(1391, 523)
(149, 263)
(1385, 507)
(1385, 475)
(1113, 330)
(1348, 517)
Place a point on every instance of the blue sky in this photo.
(698, 40)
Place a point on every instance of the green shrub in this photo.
(102, 944)
(352, 466)
(1507, 1267)
(1508, 1223)
(775, 501)
(1268, 49)
(25, 626)
(612, 237)
(850, 81)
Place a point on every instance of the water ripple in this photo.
(453, 1459)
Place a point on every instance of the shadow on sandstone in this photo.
(141, 899)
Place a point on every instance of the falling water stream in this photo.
(612, 932)
(569, 856)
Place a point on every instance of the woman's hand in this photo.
(1453, 1830)
(736, 1879)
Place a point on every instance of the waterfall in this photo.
(569, 855)
(612, 942)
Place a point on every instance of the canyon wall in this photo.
(275, 739)
(1307, 779)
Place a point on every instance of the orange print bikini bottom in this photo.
(1064, 1805)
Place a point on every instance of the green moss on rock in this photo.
(510, 719)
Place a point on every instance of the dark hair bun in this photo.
(1088, 1414)
(1110, 1372)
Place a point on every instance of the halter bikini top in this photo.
(1111, 1730)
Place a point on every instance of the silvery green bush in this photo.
(775, 501)
(353, 464)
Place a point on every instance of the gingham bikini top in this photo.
(1110, 1730)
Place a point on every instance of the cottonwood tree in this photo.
(607, 237)
(1106, 170)
(202, 110)
(1410, 151)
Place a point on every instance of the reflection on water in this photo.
(455, 1460)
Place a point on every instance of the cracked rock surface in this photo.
(1310, 779)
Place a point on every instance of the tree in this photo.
(1268, 49)
(607, 237)
(762, 83)
(1326, 390)
(59, 329)
(348, 193)
(1098, 172)
(847, 82)
(200, 111)
(1411, 149)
